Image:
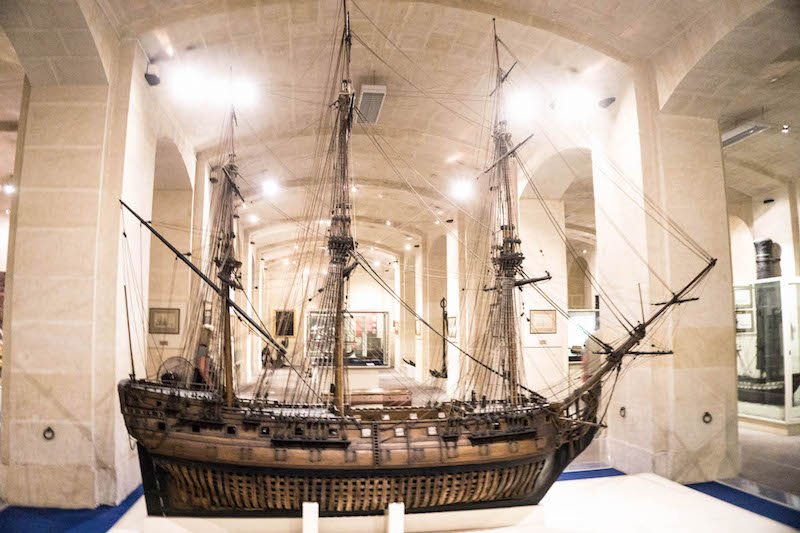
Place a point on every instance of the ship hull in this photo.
(190, 474)
(175, 487)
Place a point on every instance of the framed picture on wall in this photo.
(743, 297)
(543, 321)
(744, 321)
(284, 323)
(164, 321)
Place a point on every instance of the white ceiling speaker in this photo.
(370, 103)
(741, 132)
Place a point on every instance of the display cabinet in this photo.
(768, 350)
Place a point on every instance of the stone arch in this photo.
(61, 43)
(169, 281)
(743, 257)
(724, 54)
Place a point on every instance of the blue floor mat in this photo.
(47, 520)
(775, 511)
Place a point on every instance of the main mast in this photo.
(506, 255)
(340, 239)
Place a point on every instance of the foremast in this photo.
(340, 238)
(228, 266)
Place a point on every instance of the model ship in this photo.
(495, 442)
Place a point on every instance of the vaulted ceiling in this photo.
(434, 57)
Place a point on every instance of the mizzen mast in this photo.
(506, 254)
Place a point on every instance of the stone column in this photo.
(436, 289)
(407, 320)
(80, 149)
(453, 291)
(678, 167)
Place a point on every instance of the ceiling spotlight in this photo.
(376, 263)
(7, 211)
(437, 221)
(270, 188)
(9, 188)
(253, 219)
(521, 106)
(353, 189)
(575, 104)
(785, 128)
(151, 75)
(585, 251)
(461, 190)
(388, 222)
(407, 247)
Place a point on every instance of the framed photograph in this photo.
(744, 321)
(452, 327)
(164, 321)
(743, 297)
(543, 321)
(284, 323)
(417, 328)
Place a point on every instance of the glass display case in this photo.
(768, 359)
(582, 323)
(364, 337)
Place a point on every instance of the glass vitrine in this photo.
(768, 360)
(364, 337)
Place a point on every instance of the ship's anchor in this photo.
(445, 333)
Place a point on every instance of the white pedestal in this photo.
(619, 504)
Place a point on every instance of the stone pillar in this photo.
(408, 293)
(436, 289)
(420, 264)
(678, 167)
(453, 291)
(80, 149)
(544, 356)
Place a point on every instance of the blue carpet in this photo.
(46, 520)
(753, 503)
(588, 474)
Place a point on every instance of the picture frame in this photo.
(284, 323)
(543, 321)
(743, 297)
(164, 321)
(744, 321)
(452, 327)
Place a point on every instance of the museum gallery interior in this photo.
(414, 265)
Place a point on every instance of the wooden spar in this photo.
(634, 338)
(233, 305)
